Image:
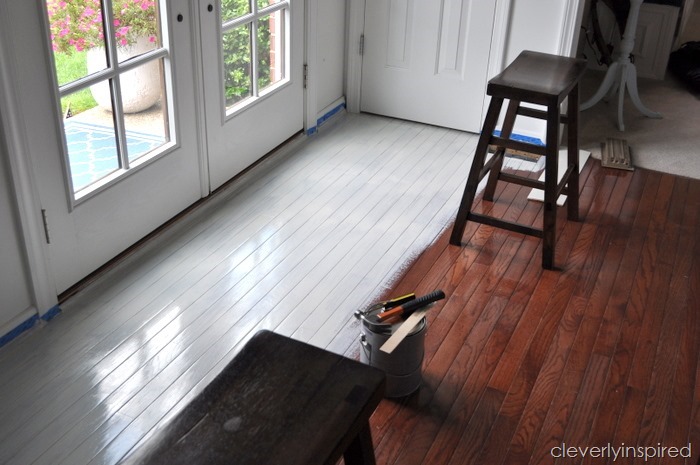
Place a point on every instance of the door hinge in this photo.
(362, 44)
(306, 75)
(46, 226)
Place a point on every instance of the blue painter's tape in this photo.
(521, 138)
(332, 112)
(28, 324)
(48, 316)
(24, 326)
(324, 118)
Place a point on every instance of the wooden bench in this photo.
(278, 402)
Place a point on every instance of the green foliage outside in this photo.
(76, 25)
(71, 63)
(237, 54)
(71, 67)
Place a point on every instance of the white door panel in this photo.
(240, 133)
(240, 142)
(87, 230)
(427, 61)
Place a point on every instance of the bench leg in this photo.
(360, 451)
(477, 164)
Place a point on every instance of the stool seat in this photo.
(541, 79)
(537, 78)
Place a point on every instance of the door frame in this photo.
(26, 192)
(15, 133)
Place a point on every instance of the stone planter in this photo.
(141, 87)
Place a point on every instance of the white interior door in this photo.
(252, 55)
(427, 61)
(106, 177)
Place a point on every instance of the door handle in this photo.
(210, 8)
(179, 18)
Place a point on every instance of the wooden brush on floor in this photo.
(616, 154)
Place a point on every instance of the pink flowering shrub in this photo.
(78, 24)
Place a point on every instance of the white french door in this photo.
(427, 61)
(106, 173)
(252, 57)
(110, 171)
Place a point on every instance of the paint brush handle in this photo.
(395, 302)
(420, 302)
(394, 312)
(383, 305)
(409, 307)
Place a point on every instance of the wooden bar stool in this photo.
(544, 80)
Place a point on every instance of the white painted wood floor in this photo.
(295, 245)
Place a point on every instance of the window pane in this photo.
(78, 32)
(92, 146)
(136, 27)
(231, 9)
(141, 87)
(76, 27)
(148, 129)
(237, 72)
(263, 3)
(270, 49)
(78, 102)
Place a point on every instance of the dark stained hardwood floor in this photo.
(519, 360)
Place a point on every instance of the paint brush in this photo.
(369, 316)
(385, 305)
(406, 309)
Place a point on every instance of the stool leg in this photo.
(572, 207)
(506, 131)
(475, 171)
(550, 187)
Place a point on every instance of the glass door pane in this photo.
(238, 83)
(271, 50)
(263, 3)
(92, 148)
(111, 66)
(75, 28)
(136, 27)
(231, 9)
(147, 130)
(254, 49)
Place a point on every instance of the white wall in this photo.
(330, 50)
(535, 25)
(538, 25)
(15, 292)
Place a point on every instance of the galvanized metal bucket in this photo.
(403, 367)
